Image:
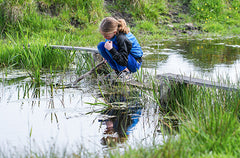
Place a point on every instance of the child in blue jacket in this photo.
(121, 49)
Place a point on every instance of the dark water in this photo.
(37, 117)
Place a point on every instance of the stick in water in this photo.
(88, 73)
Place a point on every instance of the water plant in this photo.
(84, 62)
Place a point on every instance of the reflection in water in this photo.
(152, 60)
(120, 124)
(55, 117)
(205, 54)
(204, 58)
(35, 91)
(120, 121)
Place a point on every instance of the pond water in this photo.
(213, 59)
(37, 118)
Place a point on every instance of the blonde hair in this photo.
(110, 24)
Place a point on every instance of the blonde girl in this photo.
(121, 49)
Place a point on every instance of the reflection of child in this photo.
(113, 135)
(119, 127)
(120, 49)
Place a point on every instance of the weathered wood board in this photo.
(75, 48)
(196, 81)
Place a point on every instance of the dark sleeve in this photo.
(124, 47)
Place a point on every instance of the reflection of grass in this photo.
(207, 53)
(156, 57)
(117, 95)
(151, 60)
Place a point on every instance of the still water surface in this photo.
(39, 118)
(213, 59)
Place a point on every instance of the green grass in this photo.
(208, 124)
(34, 58)
(141, 9)
(76, 23)
(220, 15)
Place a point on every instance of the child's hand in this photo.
(108, 45)
(105, 61)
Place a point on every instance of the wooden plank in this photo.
(75, 48)
(196, 81)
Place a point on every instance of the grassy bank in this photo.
(75, 23)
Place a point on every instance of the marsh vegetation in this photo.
(41, 118)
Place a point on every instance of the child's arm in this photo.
(124, 47)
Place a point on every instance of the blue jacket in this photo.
(136, 50)
(125, 44)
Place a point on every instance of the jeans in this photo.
(133, 65)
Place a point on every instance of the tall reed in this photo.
(209, 121)
(208, 125)
(34, 57)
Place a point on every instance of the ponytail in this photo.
(122, 26)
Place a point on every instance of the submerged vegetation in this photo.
(207, 118)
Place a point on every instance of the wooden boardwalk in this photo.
(196, 81)
(168, 76)
(92, 50)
